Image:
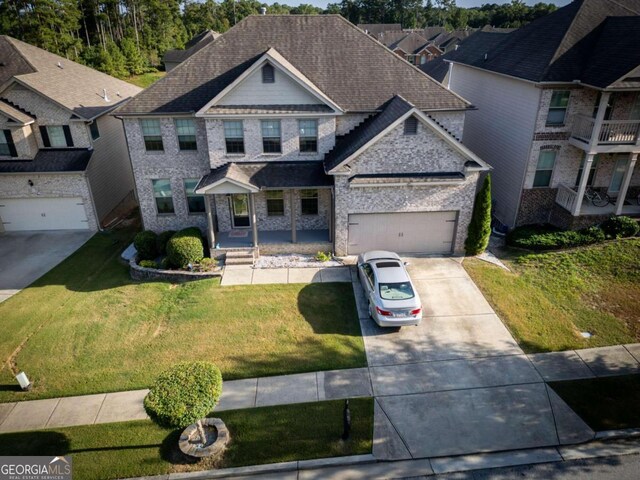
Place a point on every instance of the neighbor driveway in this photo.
(458, 383)
(26, 256)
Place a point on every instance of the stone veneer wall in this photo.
(50, 185)
(452, 121)
(23, 138)
(561, 218)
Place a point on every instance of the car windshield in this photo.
(396, 291)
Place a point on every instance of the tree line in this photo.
(129, 37)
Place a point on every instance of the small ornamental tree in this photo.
(480, 226)
(184, 394)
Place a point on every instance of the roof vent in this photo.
(104, 95)
(59, 65)
(263, 10)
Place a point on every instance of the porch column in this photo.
(254, 219)
(211, 237)
(586, 169)
(597, 123)
(292, 207)
(625, 182)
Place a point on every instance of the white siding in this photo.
(500, 131)
(284, 91)
(109, 171)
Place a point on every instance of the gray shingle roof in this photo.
(195, 44)
(376, 28)
(268, 109)
(74, 86)
(14, 113)
(562, 46)
(358, 78)
(286, 174)
(350, 143)
(408, 42)
(381, 178)
(50, 161)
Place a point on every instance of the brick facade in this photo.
(536, 205)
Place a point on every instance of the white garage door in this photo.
(416, 232)
(19, 214)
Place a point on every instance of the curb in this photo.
(618, 434)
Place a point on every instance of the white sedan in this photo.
(393, 300)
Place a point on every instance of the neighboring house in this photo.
(374, 29)
(558, 112)
(173, 58)
(268, 140)
(64, 162)
(412, 47)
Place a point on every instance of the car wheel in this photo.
(370, 312)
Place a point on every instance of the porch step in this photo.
(238, 261)
(245, 256)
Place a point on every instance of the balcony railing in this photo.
(612, 132)
(566, 197)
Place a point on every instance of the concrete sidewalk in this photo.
(247, 275)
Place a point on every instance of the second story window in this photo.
(56, 136)
(152, 134)
(93, 129)
(544, 168)
(558, 107)
(308, 131)
(411, 126)
(268, 74)
(234, 136)
(275, 203)
(7, 147)
(271, 136)
(186, 131)
(162, 194)
(309, 202)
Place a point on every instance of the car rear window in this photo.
(396, 291)
(387, 264)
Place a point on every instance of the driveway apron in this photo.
(458, 383)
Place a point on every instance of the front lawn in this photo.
(551, 298)
(86, 327)
(606, 403)
(258, 436)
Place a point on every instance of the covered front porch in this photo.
(244, 238)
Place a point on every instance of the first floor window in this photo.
(234, 136)
(271, 136)
(309, 202)
(93, 128)
(163, 196)
(544, 168)
(186, 131)
(592, 172)
(308, 131)
(152, 134)
(195, 202)
(275, 203)
(558, 107)
(7, 148)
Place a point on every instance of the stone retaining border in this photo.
(143, 273)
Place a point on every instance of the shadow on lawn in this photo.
(34, 443)
(330, 308)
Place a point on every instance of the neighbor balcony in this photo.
(567, 198)
(609, 137)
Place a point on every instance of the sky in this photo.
(460, 3)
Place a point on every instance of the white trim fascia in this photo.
(407, 184)
(18, 123)
(204, 190)
(267, 115)
(431, 123)
(272, 56)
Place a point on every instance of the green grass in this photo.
(86, 327)
(146, 79)
(606, 403)
(260, 435)
(550, 298)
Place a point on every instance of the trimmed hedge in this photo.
(479, 229)
(163, 238)
(620, 227)
(184, 394)
(547, 237)
(145, 243)
(148, 264)
(185, 247)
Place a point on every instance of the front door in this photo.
(618, 173)
(240, 210)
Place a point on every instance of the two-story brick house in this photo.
(63, 159)
(556, 98)
(302, 133)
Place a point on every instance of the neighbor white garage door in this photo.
(19, 214)
(416, 232)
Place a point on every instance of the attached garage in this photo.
(19, 214)
(413, 232)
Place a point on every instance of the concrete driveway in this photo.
(26, 256)
(458, 383)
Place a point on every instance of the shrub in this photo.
(547, 237)
(323, 256)
(145, 243)
(148, 264)
(184, 394)
(620, 227)
(162, 240)
(185, 247)
(480, 227)
(164, 264)
(207, 264)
